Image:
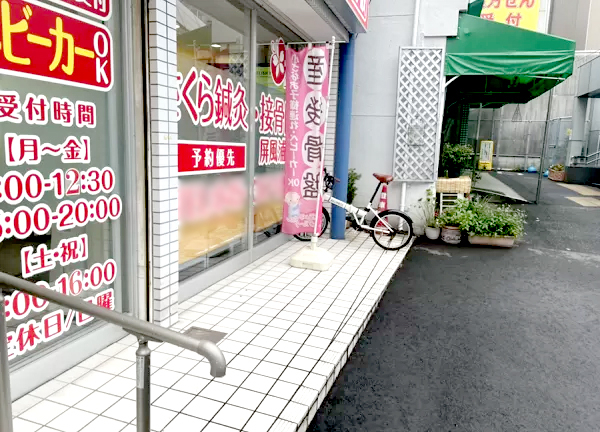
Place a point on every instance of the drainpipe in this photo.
(416, 23)
(341, 158)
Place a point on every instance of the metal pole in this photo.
(341, 158)
(143, 385)
(319, 204)
(544, 148)
(527, 144)
(403, 198)
(250, 76)
(5, 399)
(130, 324)
(476, 142)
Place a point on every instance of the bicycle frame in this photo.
(360, 215)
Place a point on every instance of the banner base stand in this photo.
(312, 257)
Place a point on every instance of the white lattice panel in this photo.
(420, 77)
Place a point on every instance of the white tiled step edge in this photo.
(281, 359)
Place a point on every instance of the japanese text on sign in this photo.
(271, 117)
(40, 42)
(517, 13)
(21, 222)
(216, 102)
(199, 157)
(101, 9)
(308, 90)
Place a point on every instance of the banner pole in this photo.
(315, 237)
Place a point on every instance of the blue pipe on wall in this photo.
(341, 159)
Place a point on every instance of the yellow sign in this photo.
(518, 13)
(486, 154)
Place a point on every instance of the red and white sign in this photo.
(214, 102)
(45, 43)
(95, 8)
(307, 91)
(361, 10)
(278, 61)
(203, 157)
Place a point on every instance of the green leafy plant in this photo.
(427, 207)
(557, 167)
(353, 177)
(455, 159)
(480, 218)
(456, 215)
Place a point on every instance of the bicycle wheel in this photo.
(399, 223)
(324, 225)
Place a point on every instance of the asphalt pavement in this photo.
(483, 339)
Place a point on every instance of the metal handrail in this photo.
(143, 330)
(587, 158)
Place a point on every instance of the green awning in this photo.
(499, 64)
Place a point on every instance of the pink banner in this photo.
(307, 86)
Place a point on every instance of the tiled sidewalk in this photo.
(289, 332)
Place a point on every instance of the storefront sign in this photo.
(44, 43)
(95, 8)
(361, 10)
(519, 13)
(486, 155)
(270, 114)
(200, 157)
(278, 61)
(212, 101)
(307, 93)
(19, 189)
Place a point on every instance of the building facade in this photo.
(143, 145)
(142, 157)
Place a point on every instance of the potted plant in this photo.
(427, 209)
(455, 159)
(451, 220)
(492, 225)
(557, 173)
(353, 177)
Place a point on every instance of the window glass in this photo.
(61, 168)
(213, 132)
(269, 135)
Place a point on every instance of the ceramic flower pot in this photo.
(451, 235)
(432, 233)
(492, 241)
(558, 176)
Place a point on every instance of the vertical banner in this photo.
(307, 83)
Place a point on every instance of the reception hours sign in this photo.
(308, 90)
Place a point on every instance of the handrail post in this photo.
(143, 385)
(5, 399)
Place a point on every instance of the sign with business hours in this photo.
(39, 42)
(307, 94)
(100, 9)
(518, 13)
(361, 10)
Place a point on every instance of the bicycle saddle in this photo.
(383, 178)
